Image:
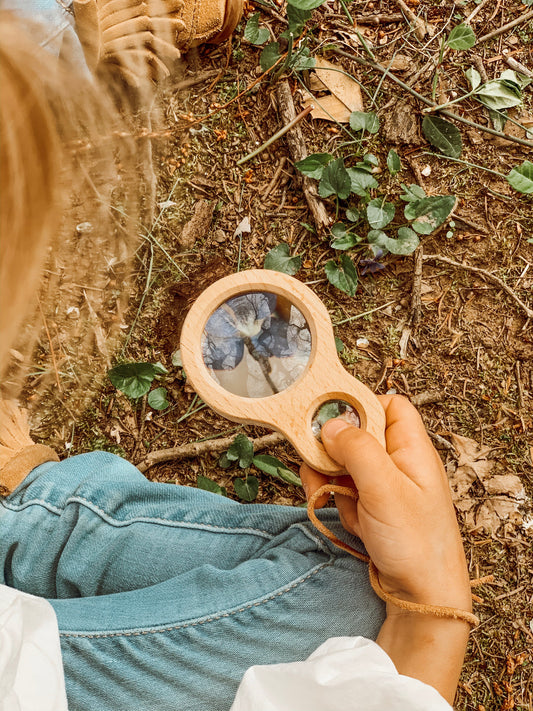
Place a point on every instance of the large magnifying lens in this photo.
(258, 347)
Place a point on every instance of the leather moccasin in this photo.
(18, 452)
(142, 40)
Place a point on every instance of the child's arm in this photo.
(405, 517)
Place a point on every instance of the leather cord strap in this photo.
(435, 610)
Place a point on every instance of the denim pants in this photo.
(166, 594)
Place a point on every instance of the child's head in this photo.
(70, 174)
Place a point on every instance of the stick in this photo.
(483, 272)
(416, 301)
(274, 180)
(195, 449)
(421, 29)
(508, 26)
(448, 114)
(277, 135)
(298, 151)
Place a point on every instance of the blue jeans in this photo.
(166, 594)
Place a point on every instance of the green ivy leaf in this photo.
(272, 466)
(379, 213)
(361, 181)
(247, 489)
(443, 135)
(474, 77)
(306, 4)
(364, 121)
(412, 193)
(297, 19)
(339, 344)
(461, 37)
(499, 94)
(313, 166)
(269, 56)
(253, 33)
(343, 277)
(521, 178)
(335, 180)
(429, 212)
(377, 238)
(241, 450)
(353, 214)
(393, 162)
(343, 238)
(133, 379)
(406, 243)
(279, 260)
(203, 482)
(302, 60)
(158, 399)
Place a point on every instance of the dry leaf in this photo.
(344, 97)
(198, 225)
(504, 493)
(327, 107)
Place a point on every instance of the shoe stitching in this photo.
(202, 621)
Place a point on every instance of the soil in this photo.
(472, 349)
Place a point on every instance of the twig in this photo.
(416, 301)
(195, 449)
(193, 81)
(378, 19)
(508, 26)
(298, 151)
(518, 67)
(364, 313)
(475, 12)
(428, 397)
(277, 135)
(484, 273)
(274, 180)
(428, 102)
(52, 352)
(421, 29)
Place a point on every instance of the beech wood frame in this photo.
(290, 411)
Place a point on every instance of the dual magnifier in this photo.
(258, 347)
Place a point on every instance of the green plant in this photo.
(135, 381)
(367, 219)
(241, 453)
(297, 58)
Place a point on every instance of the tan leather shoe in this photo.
(141, 40)
(18, 452)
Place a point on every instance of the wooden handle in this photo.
(291, 410)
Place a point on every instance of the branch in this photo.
(487, 275)
(195, 449)
(448, 114)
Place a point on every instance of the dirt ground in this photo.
(467, 362)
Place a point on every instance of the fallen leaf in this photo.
(327, 108)
(344, 97)
(504, 493)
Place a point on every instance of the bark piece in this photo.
(198, 225)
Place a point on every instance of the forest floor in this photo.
(449, 326)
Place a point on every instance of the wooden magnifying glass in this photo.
(258, 347)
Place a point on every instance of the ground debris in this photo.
(504, 494)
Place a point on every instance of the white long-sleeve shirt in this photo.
(343, 674)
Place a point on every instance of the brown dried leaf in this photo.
(328, 108)
(344, 97)
(504, 492)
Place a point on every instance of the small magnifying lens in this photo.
(258, 347)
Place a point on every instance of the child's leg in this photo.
(167, 594)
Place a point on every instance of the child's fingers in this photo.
(312, 481)
(363, 457)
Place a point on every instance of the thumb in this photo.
(362, 456)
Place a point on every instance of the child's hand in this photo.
(404, 514)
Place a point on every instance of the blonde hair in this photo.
(70, 177)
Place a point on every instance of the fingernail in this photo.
(332, 427)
